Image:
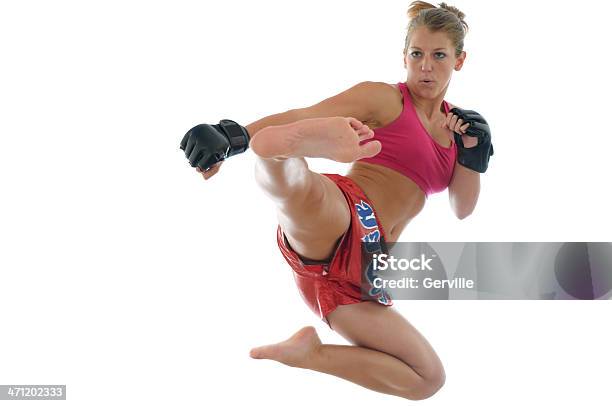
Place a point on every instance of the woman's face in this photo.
(430, 61)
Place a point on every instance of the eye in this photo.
(439, 55)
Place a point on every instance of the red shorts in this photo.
(345, 278)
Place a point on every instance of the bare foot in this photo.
(295, 351)
(335, 138)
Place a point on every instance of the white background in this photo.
(127, 277)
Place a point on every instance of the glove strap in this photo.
(237, 135)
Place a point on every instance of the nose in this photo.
(426, 65)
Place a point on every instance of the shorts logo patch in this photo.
(366, 215)
(367, 219)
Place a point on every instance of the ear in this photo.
(460, 60)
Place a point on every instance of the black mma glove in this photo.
(476, 157)
(207, 144)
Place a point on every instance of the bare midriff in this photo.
(396, 198)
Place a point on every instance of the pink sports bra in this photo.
(411, 151)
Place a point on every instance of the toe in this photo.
(256, 353)
(356, 124)
(370, 149)
(366, 135)
(263, 352)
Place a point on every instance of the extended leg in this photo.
(311, 209)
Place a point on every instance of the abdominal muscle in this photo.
(396, 198)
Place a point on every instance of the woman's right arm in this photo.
(360, 102)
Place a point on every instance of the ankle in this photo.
(316, 359)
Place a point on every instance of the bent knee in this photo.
(430, 385)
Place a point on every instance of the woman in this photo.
(401, 138)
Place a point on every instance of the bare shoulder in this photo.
(381, 91)
(386, 91)
(387, 102)
(361, 101)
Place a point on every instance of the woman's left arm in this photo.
(464, 187)
(463, 191)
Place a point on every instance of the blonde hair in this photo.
(445, 18)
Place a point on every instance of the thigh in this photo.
(382, 328)
(314, 224)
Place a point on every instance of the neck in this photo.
(429, 107)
